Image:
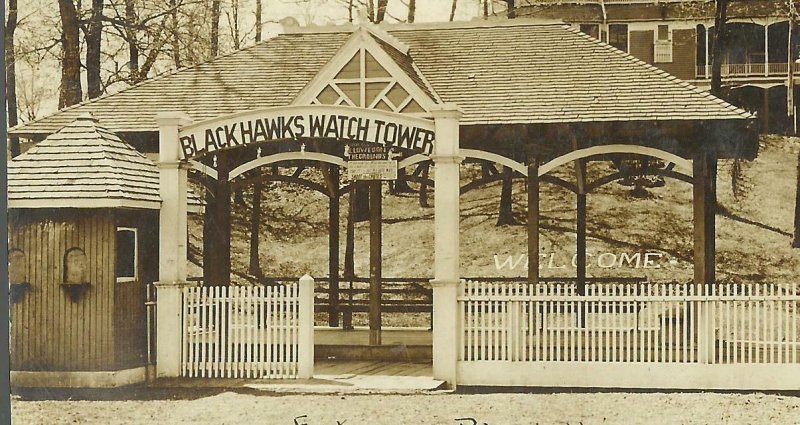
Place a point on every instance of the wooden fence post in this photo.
(305, 360)
(169, 328)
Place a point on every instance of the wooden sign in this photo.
(315, 121)
(372, 170)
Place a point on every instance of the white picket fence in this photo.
(248, 331)
(629, 324)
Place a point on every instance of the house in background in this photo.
(676, 36)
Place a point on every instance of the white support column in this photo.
(766, 50)
(173, 239)
(305, 367)
(708, 58)
(446, 159)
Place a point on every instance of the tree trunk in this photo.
(11, 76)
(423, 188)
(215, 28)
(381, 12)
(255, 228)
(506, 214)
(350, 11)
(258, 21)
(796, 241)
(349, 245)
(485, 9)
(131, 34)
(360, 195)
(70, 91)
(512, 10)
(176, 45)
(453, 10)
(94, 36)
(718, 46)
(412, 11)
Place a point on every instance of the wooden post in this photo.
(217, 228)
(533, 218)
(446, 275)
(704, 200)
(173, 239)
(305, 333)
(581, 244)
(375, 221)
(333, 248)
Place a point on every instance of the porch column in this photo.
(173, 240)
(766, 50)
(704, 200)
(446, 160)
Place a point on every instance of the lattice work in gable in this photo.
(364, 82)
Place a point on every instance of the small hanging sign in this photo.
(370, 162)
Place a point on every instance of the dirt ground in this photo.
(466, 409)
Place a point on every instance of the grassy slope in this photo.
(753, 232)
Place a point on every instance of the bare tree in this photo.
(259, 24)
(93, 34)
(215, 5)
(718, 44)
(380, 12)
(70, 91)
(174, 30)
(506, 213)
(511, 9)
(412, 11)
(11, 75)
(453, 5)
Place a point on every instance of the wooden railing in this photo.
(748, 70)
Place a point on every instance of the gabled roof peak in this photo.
(377, 32)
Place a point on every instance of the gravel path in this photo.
(562, 408)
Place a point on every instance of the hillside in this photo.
(753, 230)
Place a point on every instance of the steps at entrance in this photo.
(397, 344)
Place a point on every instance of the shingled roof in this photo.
(83, 165)
(496, 72)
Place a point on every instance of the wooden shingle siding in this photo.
(49, 331)
(684, 55)
(641, 43)
(83, 162)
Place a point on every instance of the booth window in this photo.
(618, 36)
(17, 267)
(75, 266)
(126, 255)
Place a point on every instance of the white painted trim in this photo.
(783, 377)
(203, 168)
(493, 157)
(681, 163)
(327, 73)
(135, 276)
(55, 379)
(412, 160)
(286, 156)
(83, 203)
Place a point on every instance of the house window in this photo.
(618, 36)
(76, 269)
(127, 258)
(592, 30)
(663, 45)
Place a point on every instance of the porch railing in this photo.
(748, 70)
